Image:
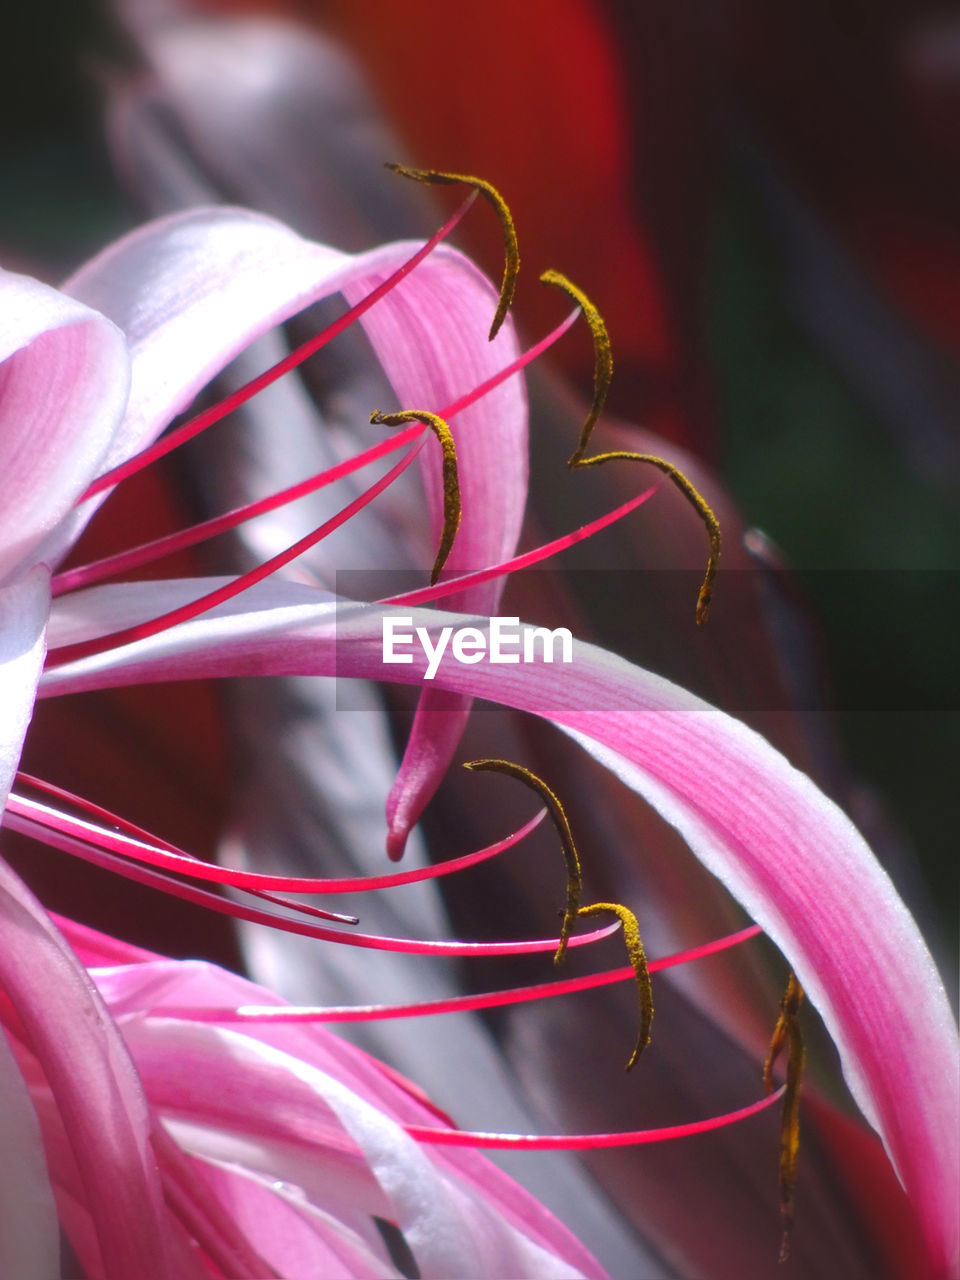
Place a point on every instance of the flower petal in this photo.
(29, 1231)
(432, 356)
(24, 605)
(95, 1086)
(785, 851)
(64, 376)
(192, 290)
(459, 1214)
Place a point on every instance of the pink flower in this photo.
(187, 294)
(199, 290)
(176, 1148)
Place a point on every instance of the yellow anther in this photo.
(602, 357)
(452, 510)
(602, 375)
(787, 1032)
(638, 958)
(511, 266)
(696, 500)
(559, 818)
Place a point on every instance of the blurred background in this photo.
(763, 203)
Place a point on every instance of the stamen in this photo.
(425, 594)
(375, 942)
(602, 357)
(787, 1031)
(452, 510)
(142, 631)
(511, 248)
(696, 500)
(584, 1141)
(638, 962)
(180, 435)
(457, 1004)
(146, 553)
(131, 841)
(602, 375)
(559, 819)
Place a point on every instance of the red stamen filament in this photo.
(190, 893)
(71, 653)
(173, 439)
(283, 1014)
(425, 595)
(204, 603)
(42, 817)
(152, 851)
(585, 1141)
(148, 552)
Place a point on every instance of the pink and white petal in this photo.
(64, 377)
(29, 1230)
(434, 736)
(283, 1226)
(24, 605)
(94, 1084)
(134, 989)
(190, 1067)
(192, 290)
(784, 850)
(432, 344)
(93, 948)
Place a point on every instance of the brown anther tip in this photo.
(452, 510)
(638, 959)
(511, 249)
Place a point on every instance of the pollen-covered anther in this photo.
(602, 377)
(602, 358)
(452, 509)
(641, 974)
(511, 249)
(559, 818)
(787, 1032)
